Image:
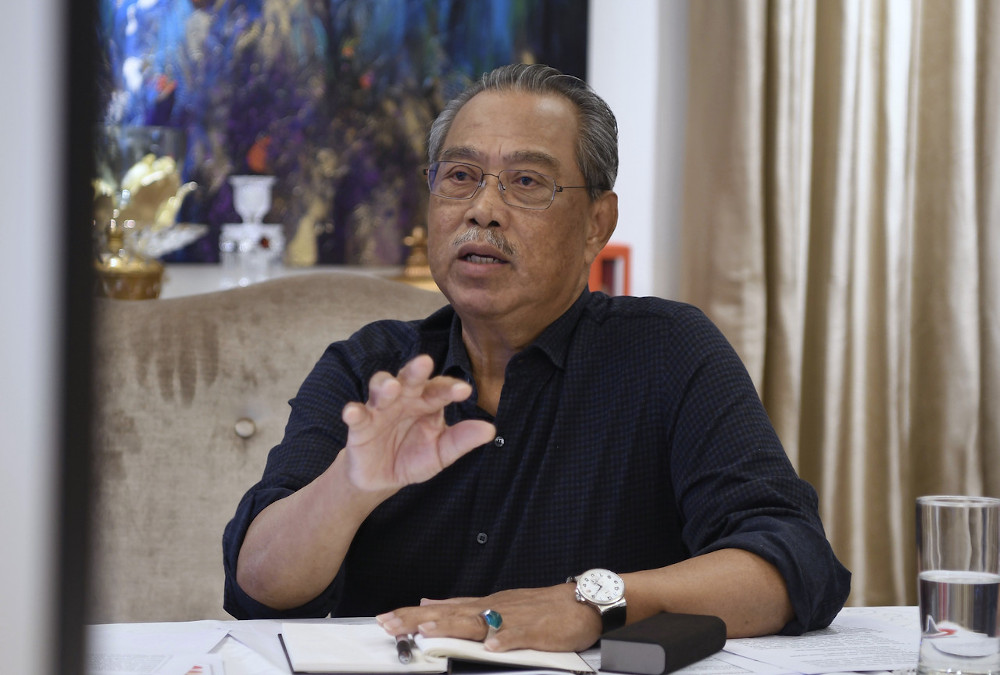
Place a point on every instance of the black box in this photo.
(662, 643)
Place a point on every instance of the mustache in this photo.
(491, 236)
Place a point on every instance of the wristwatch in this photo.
(604, 591)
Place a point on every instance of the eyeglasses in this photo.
(518, 187)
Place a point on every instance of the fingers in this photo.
(445, 601)
(400, 436)
(464, 625)
(383, 390)
(452, 618)
(464, 437)
(354, 414)
(466, 622)
(414, 383)
(536, 618)
(413, 387)
(416, 372)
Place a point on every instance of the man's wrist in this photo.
(604, 591)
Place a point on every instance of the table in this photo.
(879, 639)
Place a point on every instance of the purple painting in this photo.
(332, 97)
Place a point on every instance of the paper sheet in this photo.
(856, 641)
(241, 660)
(261, 636)
(154, 648)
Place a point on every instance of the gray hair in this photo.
(597, 145)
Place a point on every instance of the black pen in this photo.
(404, 647)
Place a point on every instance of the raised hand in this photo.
(400, 436)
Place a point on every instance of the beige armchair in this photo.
(192, 393)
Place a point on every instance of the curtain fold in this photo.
(841, 209)
(988, 203)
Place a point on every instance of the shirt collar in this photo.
(553, 342)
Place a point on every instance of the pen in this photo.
(404, 647)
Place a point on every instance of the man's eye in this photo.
(525, 180)
(459, 176)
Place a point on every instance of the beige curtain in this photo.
(842, 227)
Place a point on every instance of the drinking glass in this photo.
(958, 584)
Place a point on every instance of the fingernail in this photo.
(427, 628)
(491, 644)
(382, 618)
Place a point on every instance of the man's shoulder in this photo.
(650, 324)
(399, 338)
(603, 309)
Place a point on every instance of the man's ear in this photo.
(603, 220)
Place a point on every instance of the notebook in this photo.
(366, 648)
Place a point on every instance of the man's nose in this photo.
(488, 195)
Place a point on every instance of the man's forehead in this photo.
(532, 157)
(513, 128)
(487, 106)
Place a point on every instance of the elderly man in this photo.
(534, 456)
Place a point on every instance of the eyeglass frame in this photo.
(501, 188)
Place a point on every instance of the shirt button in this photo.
(498, 441)
(481, 537)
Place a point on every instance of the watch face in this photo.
(600, 586)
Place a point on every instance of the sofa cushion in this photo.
(191, 394)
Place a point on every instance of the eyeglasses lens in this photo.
(518, 187)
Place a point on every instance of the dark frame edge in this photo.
(78, 34)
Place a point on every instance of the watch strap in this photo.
(613, 617)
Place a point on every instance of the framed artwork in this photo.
(331, 97)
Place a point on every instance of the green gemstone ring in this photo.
(493, 622)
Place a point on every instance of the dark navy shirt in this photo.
(630, 436)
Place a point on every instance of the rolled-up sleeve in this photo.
(235, 599)
(736, 487)
(313, 437)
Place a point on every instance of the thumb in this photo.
(463, 437)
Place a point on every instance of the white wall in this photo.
(30, 170)
(637, 61)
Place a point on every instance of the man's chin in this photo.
(469, 300)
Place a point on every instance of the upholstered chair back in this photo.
(191, 394)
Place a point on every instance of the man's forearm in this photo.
(741, 588)
(294, 547)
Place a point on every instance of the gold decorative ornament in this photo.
(135, 223)
(417, 270)
(125, 276)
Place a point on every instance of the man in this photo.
(533, 431)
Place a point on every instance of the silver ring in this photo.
(493, 623)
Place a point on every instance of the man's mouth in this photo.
(484, 247)
(481, 259)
